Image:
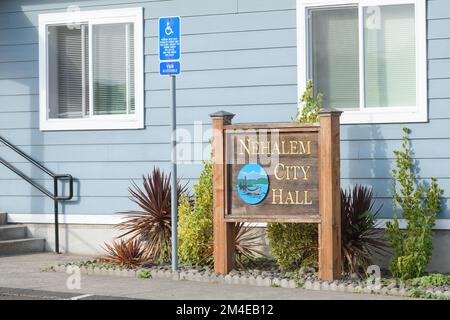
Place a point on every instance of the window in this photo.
(367, 57)
(91, 70)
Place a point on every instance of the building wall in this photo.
(239, 56)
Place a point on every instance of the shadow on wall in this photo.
(367, 162)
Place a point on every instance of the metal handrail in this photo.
(56, 177)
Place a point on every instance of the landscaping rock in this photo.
(402, 292)
(308, 285)
(175, 275)
(276, 282)
(236, 279)
(350, 288)
(266, 282)
(284, 283)
(341, 287)
(228, 279)
(392, 285)
(333, 286)
(292, 284)
(393, 291)
(168, 274)
(325, 286)
(220, 278)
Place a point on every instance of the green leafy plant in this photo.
(195, 225)
(125, 253)
(310, 106)
(420, 205)
(435, 279)
(417, 293)
(293, 245)
(144, 274)
(360, 238)
(151, 224)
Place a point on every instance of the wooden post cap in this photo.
(329, 111)
(226, 116)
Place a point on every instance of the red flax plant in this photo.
(360, 238)
(152, 223)
(125, 253)
(246, 243)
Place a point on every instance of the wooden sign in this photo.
(272, 173)
(283, 173)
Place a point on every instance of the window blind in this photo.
(113, 69)
(334, 57)
(390, 56)
(68, 60)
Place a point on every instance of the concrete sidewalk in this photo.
(25, 272)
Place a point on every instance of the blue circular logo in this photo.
(252, 183)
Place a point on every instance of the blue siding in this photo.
(238, 55)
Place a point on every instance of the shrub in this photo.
(152, 224)
(420, 205)
(293, 245)
(286, 240)
(195, 225)
(126, 253)
(360, 239)
(309, 112)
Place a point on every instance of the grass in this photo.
(144, 274)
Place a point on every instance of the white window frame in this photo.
(93, 122)
(417, 113)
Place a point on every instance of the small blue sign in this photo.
(169, 38)
(167, 68)
(252, 183)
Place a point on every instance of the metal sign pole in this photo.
(174, 187)
(169, 64)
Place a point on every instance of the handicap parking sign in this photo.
(169, 68)
(169, 45)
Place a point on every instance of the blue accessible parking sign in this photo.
(169, 45)
(168, 68)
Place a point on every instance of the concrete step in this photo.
(12, 232)
(2, 218)
(21, 246)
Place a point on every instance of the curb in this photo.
(211, 277)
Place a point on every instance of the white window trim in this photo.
(108, 122)
(418, 113)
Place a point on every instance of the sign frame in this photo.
(329, 217)
(282, 128)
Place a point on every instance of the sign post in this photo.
(169, 64)
(279, 173)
